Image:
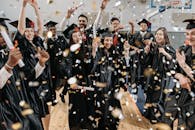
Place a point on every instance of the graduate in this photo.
(105, 73)
(185, 56)
(80, 100)
(35, 58)
(56, 45)
(158, 57)
(137, 39)
(14, 105)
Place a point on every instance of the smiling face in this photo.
(190, 36)
(82, 22)
(115, 24)
(53, 30)
(108, 41)
(76, 37)
(29, 34)
(159, 36)
(143, 27)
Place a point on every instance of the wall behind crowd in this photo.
(126, 10)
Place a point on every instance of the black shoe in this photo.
(62, 98)
(54, 102)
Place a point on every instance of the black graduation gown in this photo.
(185, 101)
(129, 75)
(9, 100)
(158, 81)
(80, 102)
(10, 96)
(121, 37)
(28, 51)
(105, 71)
(56, 47)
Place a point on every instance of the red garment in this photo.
(115, 40)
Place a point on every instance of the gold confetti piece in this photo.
(117, 113)
(123, 73)
(166, 91)
(168, 114)
(44, 82)
(16, 126)
(27, 112)
(66, 52)
(50, 1)
(193, 67)
(101, 85)
(157, 88)
(94, 5)
(57, 12)
(24, 104)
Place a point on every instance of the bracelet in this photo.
(8, 66)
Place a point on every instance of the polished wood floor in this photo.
(132, 118)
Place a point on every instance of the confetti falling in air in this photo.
(117, 3)
(72, 80)
(57, 12)
(66, 52)
(50, 1)
(117, 113)
(16, 126)
(94, 5)
(75, 47)
(27, 112)
(49, 34)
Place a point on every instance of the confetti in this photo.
(75, 47)
(49, 34)
(27, 112)
(117, 3)
(50, 1)
(72, 80)
(16, 126)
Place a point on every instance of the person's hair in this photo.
(71, 42)
(82, 15)
(113, 19)
(166, 37)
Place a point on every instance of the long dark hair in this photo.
(164, 30)
(71, 39)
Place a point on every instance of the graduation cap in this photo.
(29, 23)
(69, 30)
(2, 22)
(191, 23)
(144, 21)
(50, 24)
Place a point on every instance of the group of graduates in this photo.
(92, 65)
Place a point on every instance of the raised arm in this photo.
(39, 20)
(132, 31)
(97, 22)
(22, 16)
(65, 20)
